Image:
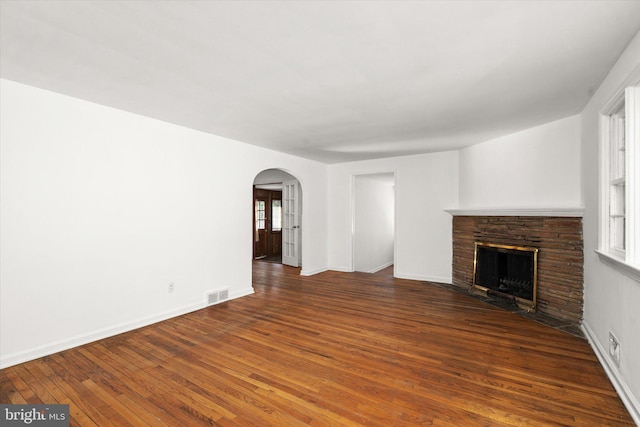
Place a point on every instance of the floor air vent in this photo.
(215, 297)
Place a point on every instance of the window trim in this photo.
(604, 243)
(627, 261)
(632, 158)
(620, 265)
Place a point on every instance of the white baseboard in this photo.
(66, 344)
(349, 270)
(242, 293)
(311, 272)
(436, 279)
(627, 397)
(382, 267)
(341, 269)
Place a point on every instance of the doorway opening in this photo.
(373, 237)
(277, 218)
(267, 205)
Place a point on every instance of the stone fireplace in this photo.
(558, 240)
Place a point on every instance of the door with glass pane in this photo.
(267, 217)
(290, 223)
(275, 223)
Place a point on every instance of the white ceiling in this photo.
(331, 81)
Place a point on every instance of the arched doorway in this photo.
(277, 218)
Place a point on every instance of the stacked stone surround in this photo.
(560, 256)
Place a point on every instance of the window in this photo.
(276, 215)
(620, 181)
(260, 215)
(617, 185)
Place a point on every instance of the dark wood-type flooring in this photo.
(331, 349)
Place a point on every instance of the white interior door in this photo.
(290, 223)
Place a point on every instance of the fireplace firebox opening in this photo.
(508, 271)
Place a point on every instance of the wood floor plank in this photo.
(11, 388)
(332, 349)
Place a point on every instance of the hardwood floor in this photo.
(331, 349)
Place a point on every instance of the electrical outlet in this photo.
(171, 287)
(614, 349)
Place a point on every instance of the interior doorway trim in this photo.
(292, 232)
(352, 211)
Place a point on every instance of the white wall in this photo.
(374, 222)
(538, 167)
(102, 209)
(612, 300)
(426, 185)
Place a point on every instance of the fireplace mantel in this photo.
(553, 212)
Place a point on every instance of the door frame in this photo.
(352, 213)
(284, 176)
(268, 232)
